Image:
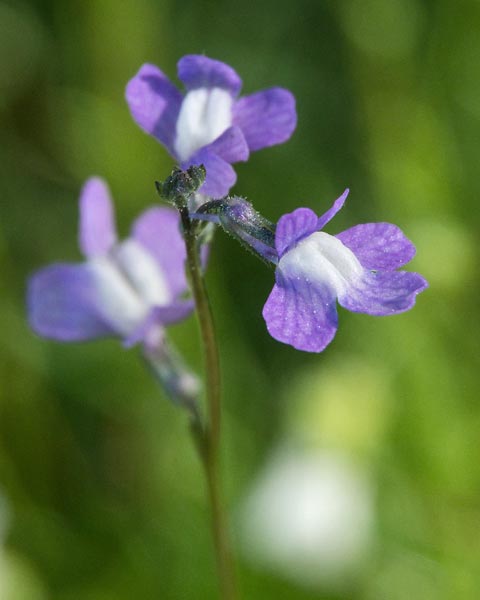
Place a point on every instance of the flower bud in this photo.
(239, 219)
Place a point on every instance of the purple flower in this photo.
(129, 289)
(356, 267)
(209, 125)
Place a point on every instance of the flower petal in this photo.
(62, 304)
(157, 230)
(175, 312)
(300, 314)
(293, 227)
(331, 212)
(231, 145)
(220, 174)
(154, 103)
(380, 246)
(383, 293)
(196, 71)
(97, 221)
(266, 118)
(158, 316)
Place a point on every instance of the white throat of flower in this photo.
(129, 282)
(204, 115)
(322, 259)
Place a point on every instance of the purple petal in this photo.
(231, 145)
(331, 212)
(157, 230)
(160, 315)
(383, 293)
(197, 71)
(294, 226)
(175, 312)
(266, 118)
(220, 174)
(62, 304)
(154, 103)
(301, 315)
(380, 246)
(97, 221)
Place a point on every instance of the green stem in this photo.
(208, 437)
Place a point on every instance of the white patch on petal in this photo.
(205, 114)
(322, 259)
(129, 283)
(144, 273)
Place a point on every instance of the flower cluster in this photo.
(135, 288)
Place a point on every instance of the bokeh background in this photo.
(353, 474)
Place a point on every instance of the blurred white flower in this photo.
(309, 516)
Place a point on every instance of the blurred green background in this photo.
(104, 491)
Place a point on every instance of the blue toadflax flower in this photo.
(357, 268)
(209, 125)
(129, 289)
